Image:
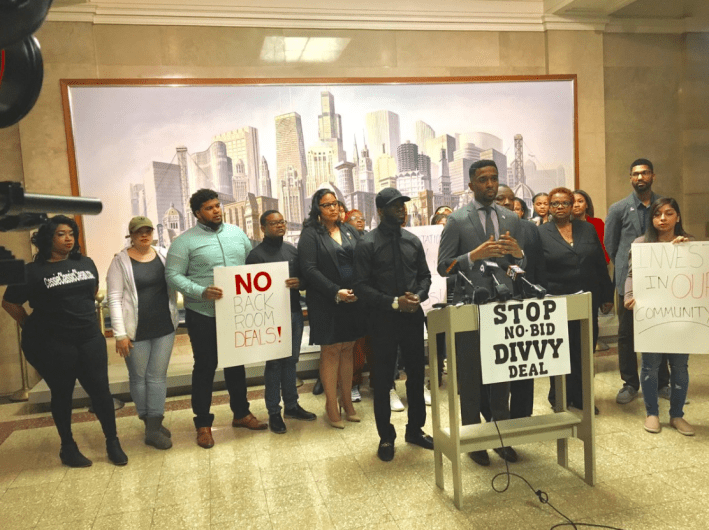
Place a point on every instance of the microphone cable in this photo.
(541, 495)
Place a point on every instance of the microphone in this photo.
(480, 294)
(517, 273)
(488, 268)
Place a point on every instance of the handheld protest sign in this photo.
(671, 291)
(253, 316)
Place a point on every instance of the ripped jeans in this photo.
(679, 381)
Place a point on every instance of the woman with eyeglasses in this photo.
(326, 255)
(574, 262)
(666, 227)
(144, 319)
(356, 219)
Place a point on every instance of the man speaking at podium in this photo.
(482, 230)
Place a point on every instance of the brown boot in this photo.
(204, 437)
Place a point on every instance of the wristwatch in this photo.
(395, 304)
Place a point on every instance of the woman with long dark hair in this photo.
(144, 318)
(62, 339)
(520, 208)
(666, 227)
(540, 208)
(582, 210)
(326, 255)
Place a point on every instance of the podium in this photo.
(559, 425)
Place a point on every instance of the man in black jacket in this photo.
(280, 374)
(392, 278)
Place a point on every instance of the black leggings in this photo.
(60, 362)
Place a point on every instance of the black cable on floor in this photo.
(542, 495)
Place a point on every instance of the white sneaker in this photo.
(356, 395)
(394, 401)
(427, 395)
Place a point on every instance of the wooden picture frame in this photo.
(122, 133)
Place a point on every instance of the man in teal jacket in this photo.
(190, 270)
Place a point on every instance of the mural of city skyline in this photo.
(145, 150)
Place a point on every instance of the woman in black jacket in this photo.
(326, 255)
(574, 262)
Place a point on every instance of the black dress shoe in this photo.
(507, 453)
(386, 451)
(299, 413)
(481, 458)
(420, 438)
(276, 424)
(318, 389)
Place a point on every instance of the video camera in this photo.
(25, 211)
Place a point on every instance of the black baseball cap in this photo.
(388, 195)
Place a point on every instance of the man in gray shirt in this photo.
(627, 220)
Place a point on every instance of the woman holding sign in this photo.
(326, 255)
(666, 227)
(574, 262)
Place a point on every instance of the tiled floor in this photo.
(316, 477)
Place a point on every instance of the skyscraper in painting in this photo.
(383, 132)
(290, 149)
(330, 125)
(265, 180)
(242, 144)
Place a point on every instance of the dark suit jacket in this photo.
(534, 253)
(578, 268)
(464, 232)
(330, 322)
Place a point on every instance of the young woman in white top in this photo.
(666, 227)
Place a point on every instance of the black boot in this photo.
(70, 456)
(115, 453)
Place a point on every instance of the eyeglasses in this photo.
(356, 218)
(645, 173)
(326, 205)
(282, 222)
(557, 204)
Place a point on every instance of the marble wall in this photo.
(636, 94)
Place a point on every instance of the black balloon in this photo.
(20, 19)
(21, 74)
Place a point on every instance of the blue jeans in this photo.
(279, 375)
(679, 382)
(147, 370)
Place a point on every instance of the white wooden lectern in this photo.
(559, 425)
